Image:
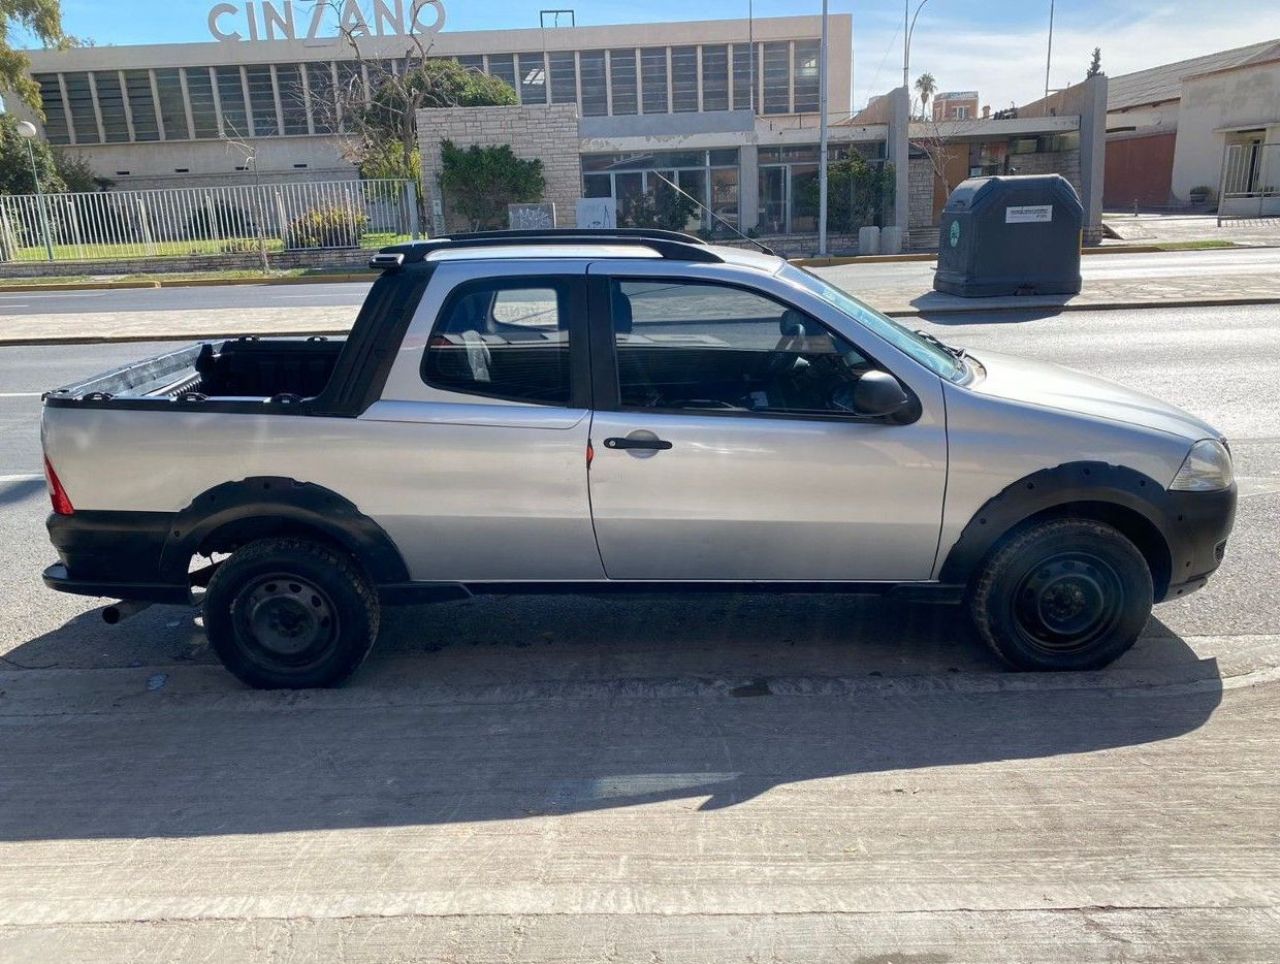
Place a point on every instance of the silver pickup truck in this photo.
(611, 411)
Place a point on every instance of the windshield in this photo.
(933, 356)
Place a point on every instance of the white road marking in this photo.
(27, 477)
(20, 394)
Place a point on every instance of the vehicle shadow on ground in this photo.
(641, 701)
(992, 316)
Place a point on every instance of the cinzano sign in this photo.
(284, 20)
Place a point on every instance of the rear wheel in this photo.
(290, 613)
(1068, 594)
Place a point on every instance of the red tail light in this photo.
(57, 494)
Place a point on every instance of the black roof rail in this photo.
(671, 245)
(527, 234)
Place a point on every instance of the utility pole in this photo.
(1049, 57)
(822, 137)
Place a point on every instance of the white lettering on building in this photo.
(275, 20)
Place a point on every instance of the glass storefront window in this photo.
(597, 185)
(724, 195)
(804, 198)
(710, 177)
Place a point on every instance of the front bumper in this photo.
(1197, 526)
(115, 554)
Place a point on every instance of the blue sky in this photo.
(996, 46)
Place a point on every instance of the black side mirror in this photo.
(878, 394)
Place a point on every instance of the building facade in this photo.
(955, 105)
(1170, 129)
(702, 93)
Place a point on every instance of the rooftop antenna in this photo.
(765, 249)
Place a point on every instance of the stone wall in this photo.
(324, 260)
(547, 133)
(920, 180)
(1066, 163)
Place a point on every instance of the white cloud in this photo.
(1008, 65)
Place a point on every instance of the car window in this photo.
(503, 340)
(708, 347)
(938, 360)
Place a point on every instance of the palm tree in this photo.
(925, 86)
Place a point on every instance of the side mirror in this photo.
(878, 394)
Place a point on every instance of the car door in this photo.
(475, 455)
(722, 450)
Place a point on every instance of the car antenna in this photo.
(763, 247)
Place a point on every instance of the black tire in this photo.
(1069, 594)
(290, 614)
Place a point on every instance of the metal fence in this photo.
(178, 222)
(1250, 182)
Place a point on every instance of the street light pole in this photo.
(27, 131)
(908, 28)
(822, 138)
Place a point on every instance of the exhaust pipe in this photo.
(122, 610)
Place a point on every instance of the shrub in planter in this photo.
(327, 227)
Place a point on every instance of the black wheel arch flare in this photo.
(1177, 532)
(254, 508)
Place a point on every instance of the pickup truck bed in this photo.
(245, 368)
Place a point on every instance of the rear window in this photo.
(503, 340)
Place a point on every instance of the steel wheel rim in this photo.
(283, 618)
(1067, 602)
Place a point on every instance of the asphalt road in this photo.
(919, 273)
(735, 778)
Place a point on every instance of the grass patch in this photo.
(1205, 245)
(180, 249)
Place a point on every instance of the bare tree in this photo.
(937, 144)
(374, 103)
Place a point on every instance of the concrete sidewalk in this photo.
(907, 295)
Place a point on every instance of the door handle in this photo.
(656, 444)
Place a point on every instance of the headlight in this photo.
(1207, 468)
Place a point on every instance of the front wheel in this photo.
(290, 614)
(1068, 594)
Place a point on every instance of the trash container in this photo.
(1010, 236)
